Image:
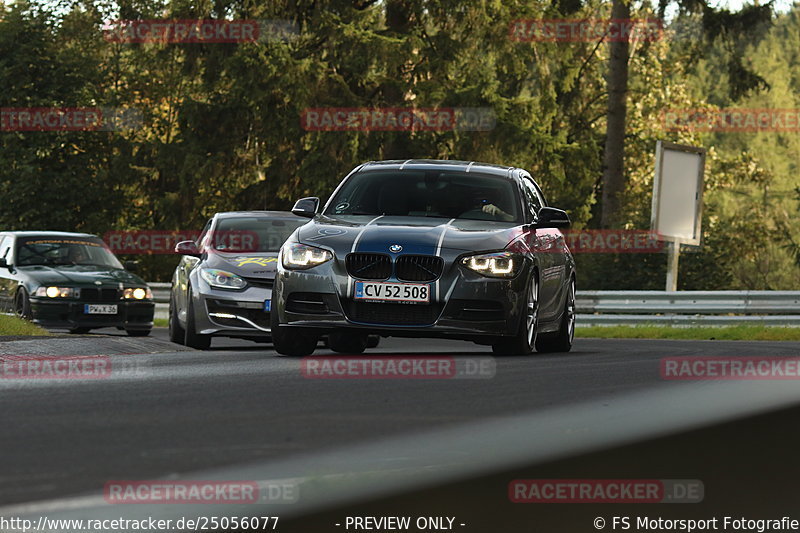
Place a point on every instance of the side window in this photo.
(204, 234)
(532, 196)
(5, 246)
(539, 193)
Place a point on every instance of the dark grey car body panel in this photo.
(446, 238)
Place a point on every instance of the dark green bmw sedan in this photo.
(72, 281)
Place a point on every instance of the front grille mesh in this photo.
(391, 313)
(100, 295)
(369, 266)
(418, 267)
(263, 283)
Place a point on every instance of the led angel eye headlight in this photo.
(222, 279)
(494, 265)
(298, 256)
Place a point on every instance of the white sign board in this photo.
(678, 193)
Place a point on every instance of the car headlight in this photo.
(222, 279)
(298, 256)
(57, 292)
(494, 265)
(137, 293)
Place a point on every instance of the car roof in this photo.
(47, 234)
(274, 214)
(438, 164)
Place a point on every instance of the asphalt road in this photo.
(178, 412)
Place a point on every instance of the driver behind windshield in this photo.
(77, 255)
(497, 212)
(427, 194)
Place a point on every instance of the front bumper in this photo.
(131, 315)
(464, 305)
(226, 313)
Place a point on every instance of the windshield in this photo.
(428, 194)
(64, 251)
(253, 234)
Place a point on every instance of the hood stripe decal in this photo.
(353, 249)
(360, 233)
(439, 249)
(441, 237)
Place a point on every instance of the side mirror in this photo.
(550, 217)
(131, 266)
(187, 248)
(3, 262)
(306, 207)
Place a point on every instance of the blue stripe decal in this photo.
(413, 240)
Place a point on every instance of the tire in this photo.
(294, 342)
(524, 342)
(192, 339)
(561, 341)
(22, 304)
(137, 332)
(80, 330)
(176, 333)
(348, 342)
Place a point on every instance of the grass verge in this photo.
(727, 333)
(160, 323)
(13, 326)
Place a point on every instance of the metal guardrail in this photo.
(161, 298)
(690, 302)
(680, 308)
(688, 308)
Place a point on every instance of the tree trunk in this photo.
(614, 155)
(394, 92)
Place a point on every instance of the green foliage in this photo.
(221, 122)
(724, 333)
(17, 327)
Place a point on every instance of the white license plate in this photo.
(392, 292)
(93, 309)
